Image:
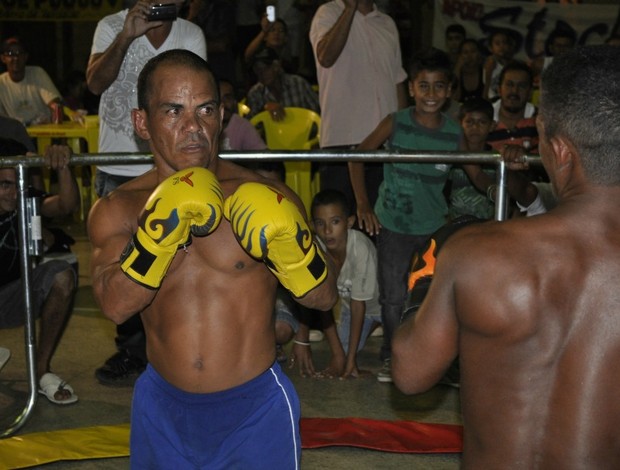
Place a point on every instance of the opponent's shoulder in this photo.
(478, 242)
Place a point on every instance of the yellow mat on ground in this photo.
(41, 448)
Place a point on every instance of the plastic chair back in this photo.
(299, 130)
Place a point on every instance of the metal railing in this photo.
(21, 163)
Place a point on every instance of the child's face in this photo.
(470, 54)
(501, 47)
(453, 42)
(430, 90)
(476, 127)
(331, 225)
(560, 46)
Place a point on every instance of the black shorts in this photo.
(12, 305)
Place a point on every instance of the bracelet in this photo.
(301, 343)
(492, 188)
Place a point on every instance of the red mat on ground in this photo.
(386, 436)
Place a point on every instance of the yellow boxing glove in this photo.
(190, 201)
(270, 227)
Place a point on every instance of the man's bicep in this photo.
(107, 239)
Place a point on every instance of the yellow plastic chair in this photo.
(299, 130)
(243, 108)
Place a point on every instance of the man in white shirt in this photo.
(26, 91)
(361, 80)
(122, 44)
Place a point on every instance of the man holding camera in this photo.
(122, 44)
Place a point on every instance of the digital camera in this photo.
(162, 12)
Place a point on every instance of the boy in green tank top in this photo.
(411, 204)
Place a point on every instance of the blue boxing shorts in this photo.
(252, 426)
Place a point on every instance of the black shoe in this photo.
(121, 370)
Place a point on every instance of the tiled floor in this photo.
(89, 341)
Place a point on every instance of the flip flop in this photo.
(5, 355)
(50, 384)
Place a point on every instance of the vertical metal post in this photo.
(26, 275)
(501, 197)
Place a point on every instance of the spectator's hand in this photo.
(514, 156)
(57, 157)
(335, 368)
(276, 111)
(352, 372)
(367, 219)
(301, 356)
(265, 24)
(136, 22)
(77, 115)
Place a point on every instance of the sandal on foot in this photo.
(5, 355)
(50, 384)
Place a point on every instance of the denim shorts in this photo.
(12, 305)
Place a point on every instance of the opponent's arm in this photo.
(270, 227)
(428, 339)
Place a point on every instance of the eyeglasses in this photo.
(6, 185)
(13, 53)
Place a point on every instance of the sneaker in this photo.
(385, 374)
(377, 332)
(5, 355)
(120, 370)
(315, 336)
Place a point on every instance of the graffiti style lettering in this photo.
(534, 31)
(20, 4)
(600, 30)
(57, 9)
(502, 14)
(470, 11)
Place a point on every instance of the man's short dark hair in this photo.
(516, 65)
(11, 42)
(265, 56)
(330, 196)
(456, 28)
(580, 100)
(174, 57)
(560, 33)
(476, 105)
(475, 42)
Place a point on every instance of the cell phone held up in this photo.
(162, 12)
(271, 13)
